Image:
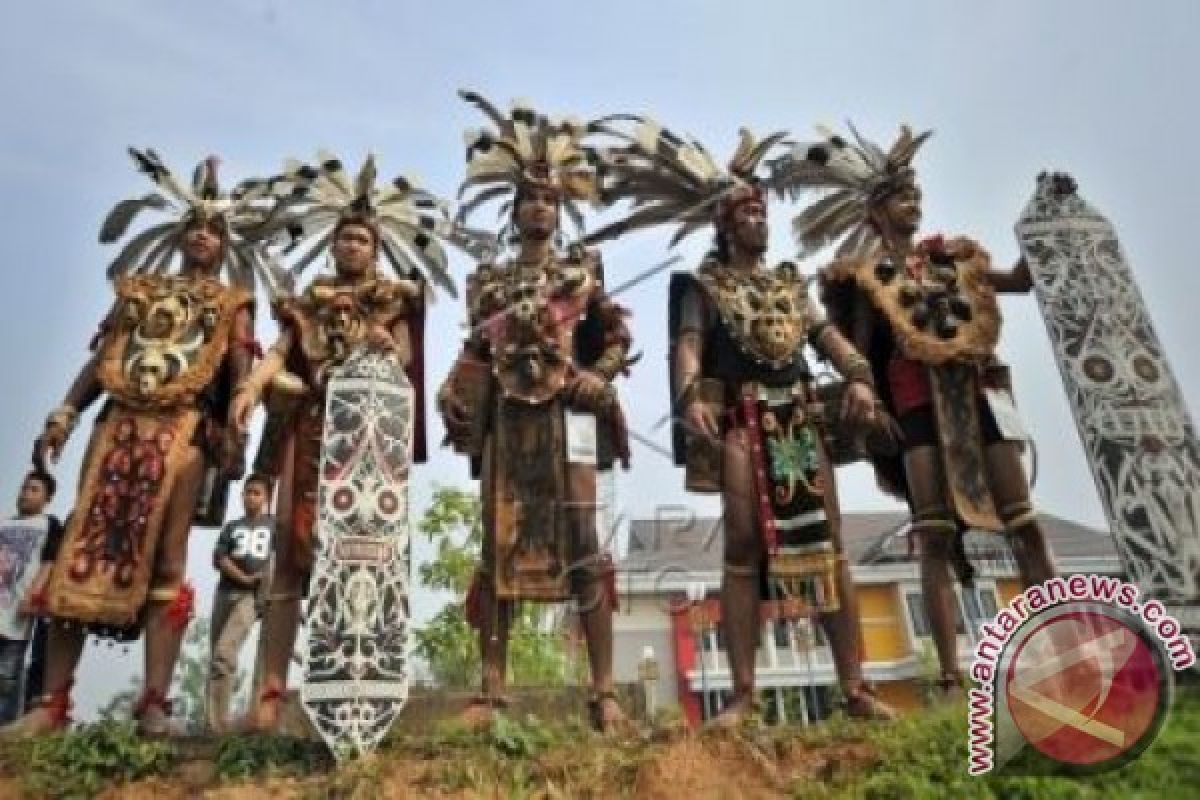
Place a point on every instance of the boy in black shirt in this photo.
(241, 555)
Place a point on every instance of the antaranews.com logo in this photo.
(1077, 669)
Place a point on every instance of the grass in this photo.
(923, 756)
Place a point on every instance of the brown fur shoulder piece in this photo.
(939, 305)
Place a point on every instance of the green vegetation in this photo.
(920, 757)
(77, 764)
(447, 644)
(925, 757)
(255, 755)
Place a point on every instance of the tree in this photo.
(536, 651)
(190, 687)
(191, 676)
(120, 705)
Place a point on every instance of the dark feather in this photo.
(117, 221)
(484, 105)
(130, 256)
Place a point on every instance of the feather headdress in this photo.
(411, 223)
(855, 175)
(238, 213)
(526, 149)
(672, 179)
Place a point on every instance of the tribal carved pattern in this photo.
(167, 339)
(1137, 432)
(765, 311)
(331, 320)
(356, 669)
(131, 478)
(108, 547)
(528, 313)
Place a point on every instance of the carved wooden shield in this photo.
(356, 667)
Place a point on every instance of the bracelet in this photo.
(65, 417)
(858, 370)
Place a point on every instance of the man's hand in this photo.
(380, 338)
(244, 402)
(31, 603)
(1021, 276)
(858, 403)
(589, 390)
(35, 597)
(48, 446)
(700, 420)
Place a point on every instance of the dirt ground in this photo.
(707, 766)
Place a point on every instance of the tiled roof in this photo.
(869, 537)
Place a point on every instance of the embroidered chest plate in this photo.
(766, 312)
(331, 320)
(167, 339)
(528, 314)
(939, 304)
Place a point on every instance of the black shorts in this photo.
(920, 428)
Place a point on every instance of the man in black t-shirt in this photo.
(241, 556)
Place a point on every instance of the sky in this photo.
(1104, 90)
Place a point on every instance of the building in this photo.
(669, 559)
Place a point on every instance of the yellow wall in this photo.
(1006, 590)
(884, 631)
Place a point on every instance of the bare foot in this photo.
(264, 717)
(862, 703)
(156, 721)
(480, 712)
(735, 714)
(949, 687)
(37, 721)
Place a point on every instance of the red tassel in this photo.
(39, 600)
(182, 607)
(57, 705)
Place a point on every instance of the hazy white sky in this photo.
(1105, 90)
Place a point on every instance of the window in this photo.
(916, 612)
(920, 621)
(713, 702)
(711, 640)
(807, 635)
(987, 599)
(795, 704)
(970, 598)
(980, 605)
(773, 711)
(782, 630)
(708, 705)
